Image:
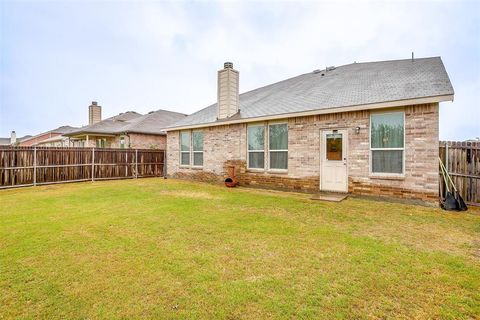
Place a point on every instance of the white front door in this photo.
(333, 173)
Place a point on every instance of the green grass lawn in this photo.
(154, 248)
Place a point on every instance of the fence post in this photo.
(164, 164)
(34, 166)
(93, 164)
(446, 155)
(136, 163)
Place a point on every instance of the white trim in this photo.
(380, 105)
(323, 156)
(370, 158)
(193, 165)
(274, 123)
(189, 148)
(261, 125)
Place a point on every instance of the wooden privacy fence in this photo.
(30, 166)
(462, 160)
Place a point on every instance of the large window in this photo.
(387, 143)
(191, 148)
(278, 145)
(197, 144)
(256, 146)
(185, 148)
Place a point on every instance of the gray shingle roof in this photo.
(131, 121)
(349, 85)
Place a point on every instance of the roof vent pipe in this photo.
(412, 56)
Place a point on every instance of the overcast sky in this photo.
(56, 57)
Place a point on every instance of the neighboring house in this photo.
(364, 128)
(13, 140)
(39, 139)
(60, 140)
(126, 130)
(5, 142)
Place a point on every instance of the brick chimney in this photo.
(228, 102)
(94, 113)
(13, 138)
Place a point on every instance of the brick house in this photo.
(126, 130)
(46, 138)
(363, 128)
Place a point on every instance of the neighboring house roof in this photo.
(356, 84)
(53, 139)
(64, 129)
(4, 141)
(151, 123)
(59, 130)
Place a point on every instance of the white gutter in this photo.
(381, 105)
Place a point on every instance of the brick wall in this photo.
(225, 146)
(146, 141)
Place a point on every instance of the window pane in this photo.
(387, 130)
(387, 161)
(185, 141)
(256, 138)
(256, 160)
(334, 146)
(279, 160)
(198, 158)
(197, 138)
(278, 137)
(185, 158)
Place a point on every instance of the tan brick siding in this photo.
(133, 141)
(226, 145)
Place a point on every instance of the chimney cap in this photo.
(228, 65)
(94, 103)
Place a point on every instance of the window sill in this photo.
(257, 170)
(196, 167)
(278, 171)
(386, 176)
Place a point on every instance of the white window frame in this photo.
(385, 174)
(189, 148)
(261, 125)
(123, 142)
(279, 150)
(193, 151)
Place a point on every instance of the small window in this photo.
(387, 145)
(100, 143)
(197, 142)
(334, 146)
(256, 146)
(185, 148)
(122, 142)
(278, 146)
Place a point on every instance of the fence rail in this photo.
(31, 166)
(462, 160)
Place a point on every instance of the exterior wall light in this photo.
(357, 130)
